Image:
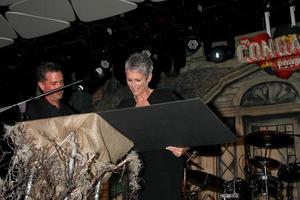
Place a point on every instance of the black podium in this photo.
(184, 123)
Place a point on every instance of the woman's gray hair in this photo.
(140, 62)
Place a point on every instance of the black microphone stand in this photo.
(44, 94)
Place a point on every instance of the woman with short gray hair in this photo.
(163, 170)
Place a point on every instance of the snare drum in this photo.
(257, 186)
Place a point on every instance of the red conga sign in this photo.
(279, 56)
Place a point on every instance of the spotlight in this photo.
(217, 55)
(221, 53)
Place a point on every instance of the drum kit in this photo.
(261, 185)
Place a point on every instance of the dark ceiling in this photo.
(156, 26)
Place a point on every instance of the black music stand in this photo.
(184, 123)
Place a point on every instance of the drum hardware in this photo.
(189, 159)
(210, 150)
(263, 177)
(265, 180)
(267, 139)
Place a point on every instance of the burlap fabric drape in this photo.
(45, 148)
(93, 135)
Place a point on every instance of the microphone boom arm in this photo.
(3, 109)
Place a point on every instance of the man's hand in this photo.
(178, 151)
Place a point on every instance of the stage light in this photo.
(200, 8)
(147, 52)
(109, 31)
(221, 53)
(105, 64)
(218, 54)
(193, 44)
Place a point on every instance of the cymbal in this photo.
(204, 180)
(269, 139)
(260, 162)
(289, 172)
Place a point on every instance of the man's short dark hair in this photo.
(46, 67)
